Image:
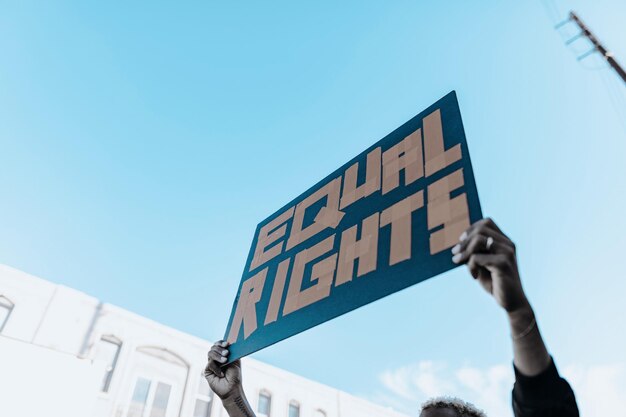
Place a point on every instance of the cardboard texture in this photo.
(382, 222)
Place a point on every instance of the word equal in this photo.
(419, 155)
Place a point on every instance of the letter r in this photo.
(245, 312)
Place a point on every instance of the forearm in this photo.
(530, 354)
(539, 390)
(236, 405)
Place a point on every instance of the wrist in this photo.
(520, 309)
(233, 396)
(236, 404)
(521, 318)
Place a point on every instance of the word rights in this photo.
(380, 223)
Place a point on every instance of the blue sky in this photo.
(142, 142)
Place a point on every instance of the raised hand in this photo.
(226, 380)
(491, 259)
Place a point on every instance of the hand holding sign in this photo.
(490, 257)
(226, 382)
(379, 224)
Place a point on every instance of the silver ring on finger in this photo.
(489, 244)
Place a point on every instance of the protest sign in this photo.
(380, 223)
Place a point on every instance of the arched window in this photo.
(161, 378)
(204, 399)
(265, 404)
(294, 409)
(108, 351)
(6, 307)
(320, 413)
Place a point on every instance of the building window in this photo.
(150, 399)
(161, 398)
(204, 399)
(294, 409)
(108, 351)
(320, 413)
(6, 307)
(139, 399)
(265, 404)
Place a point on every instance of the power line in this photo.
(617, 99)
(553, 13)
(597, 46)
(616, 96)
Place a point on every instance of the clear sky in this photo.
(141, 143)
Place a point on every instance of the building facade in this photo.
(95, 359)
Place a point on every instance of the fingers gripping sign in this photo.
(491, 258)
(223, 380)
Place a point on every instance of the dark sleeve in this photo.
(544, 395)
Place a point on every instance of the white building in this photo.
(64, 353)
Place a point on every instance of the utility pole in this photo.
(597, 46)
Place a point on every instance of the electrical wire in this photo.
(599, 65)
(551, 11)
(616, 95)
(556, 8)
(615, 90)
(569, 31)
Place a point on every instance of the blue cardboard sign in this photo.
(382, 222)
